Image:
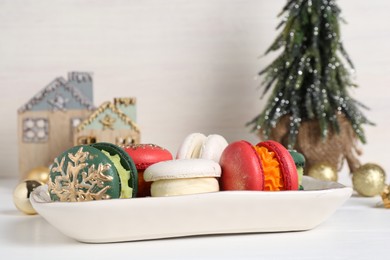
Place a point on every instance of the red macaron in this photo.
(267, 166)
(143, 156)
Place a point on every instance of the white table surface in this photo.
(360, 229)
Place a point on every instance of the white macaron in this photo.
(183, 176)
(191, 146)
(197, 145)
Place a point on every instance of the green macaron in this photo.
(299, 161)
(92, 172)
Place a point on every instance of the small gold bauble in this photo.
(40, 173)
(386, 196)
(21, 196)
(323, 171)
(369, 180)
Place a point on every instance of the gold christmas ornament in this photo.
(386, 196)
(21, 196)
(323, 171)
(369, 180)
(40, 174)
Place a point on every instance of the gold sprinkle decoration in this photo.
(67, 186)
(142, 146)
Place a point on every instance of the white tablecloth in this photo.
(360, 229)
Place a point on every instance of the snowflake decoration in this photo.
(79, 182)
(58, 102)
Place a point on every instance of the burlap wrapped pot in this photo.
(333, 149)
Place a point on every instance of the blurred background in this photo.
(192, 65)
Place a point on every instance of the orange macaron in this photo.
(267, 166)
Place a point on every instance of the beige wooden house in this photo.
(112, 122)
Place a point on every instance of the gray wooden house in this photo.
(46, 123)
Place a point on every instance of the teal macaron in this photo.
(93, 172)
(300, 161)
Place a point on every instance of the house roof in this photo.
(54, 86)
(100, 110)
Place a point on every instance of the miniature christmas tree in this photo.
(310, 106)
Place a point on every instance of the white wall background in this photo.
(191, 64)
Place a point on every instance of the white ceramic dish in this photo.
(226, 212)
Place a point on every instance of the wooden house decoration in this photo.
(110, 122)
(46, 123)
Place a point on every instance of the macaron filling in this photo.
(183, 176)
(273, 180)
(186, 186)
(124, 175)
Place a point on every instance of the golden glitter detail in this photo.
(67, 186)
(101, 109)
(142, 146)
(124, 101)
(108, 122)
